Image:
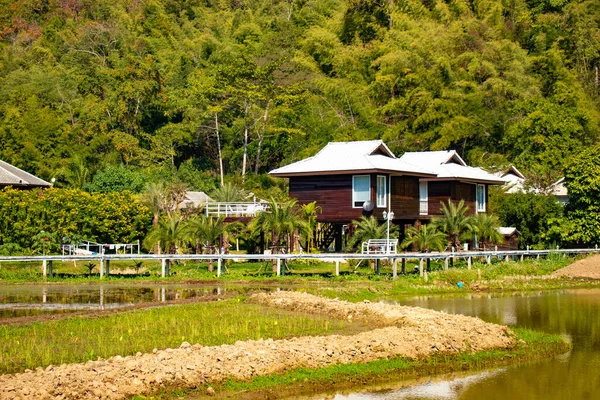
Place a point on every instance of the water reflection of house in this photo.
(351, 179)
(19, 179)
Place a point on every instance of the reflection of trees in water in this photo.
(78, 296)
(575, 313)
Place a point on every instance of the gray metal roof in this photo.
(375, 156)
(195, 199)
(13, 176)
(448, 164)
(348, 157)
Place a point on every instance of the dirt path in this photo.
(586, 268)
(408, 332)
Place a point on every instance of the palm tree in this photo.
(282, 220)
(309, 212)
(486, 228)
(370, 228)
(455, 222)
(426, 237)
(170, 234)
(229, 193)
(76, 172)
(206, 230)
(153, 198)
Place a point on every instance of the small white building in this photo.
(514, 180)
(559, 190)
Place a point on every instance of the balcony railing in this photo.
(240, 210)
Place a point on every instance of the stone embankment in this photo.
(402, 332)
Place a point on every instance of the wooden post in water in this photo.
(420, 267)
(278, 267)
(337, 267)
(163, 267)
(469, 262)
(395, 269)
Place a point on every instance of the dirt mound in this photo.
(410, 332)
(586, 268)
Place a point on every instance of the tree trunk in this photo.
(245, 157)
(290, 10)
(274, 249)
(261, 136)
(154, 224)
(219, 148)
(209, 250)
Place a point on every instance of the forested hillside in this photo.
(157, 85)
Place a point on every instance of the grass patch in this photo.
(534, 346)
(79, 339)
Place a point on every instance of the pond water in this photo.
(25, 300)
(575, 375)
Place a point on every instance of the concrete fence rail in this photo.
(448, 257)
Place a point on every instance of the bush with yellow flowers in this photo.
(68, 213)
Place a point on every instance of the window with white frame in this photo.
(480, 198)
(381, 191)
(361, 190)
(423, 198)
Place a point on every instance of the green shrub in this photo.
(64, 213)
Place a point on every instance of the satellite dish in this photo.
(368, 206)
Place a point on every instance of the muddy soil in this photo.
(404, 332)
(586, 268)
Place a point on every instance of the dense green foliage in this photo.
(532, 214)
(581, 224)
(167, 88)
(29, 217)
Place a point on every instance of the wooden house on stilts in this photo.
(351, 179)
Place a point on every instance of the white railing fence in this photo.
(238, 209)
(447, 257)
